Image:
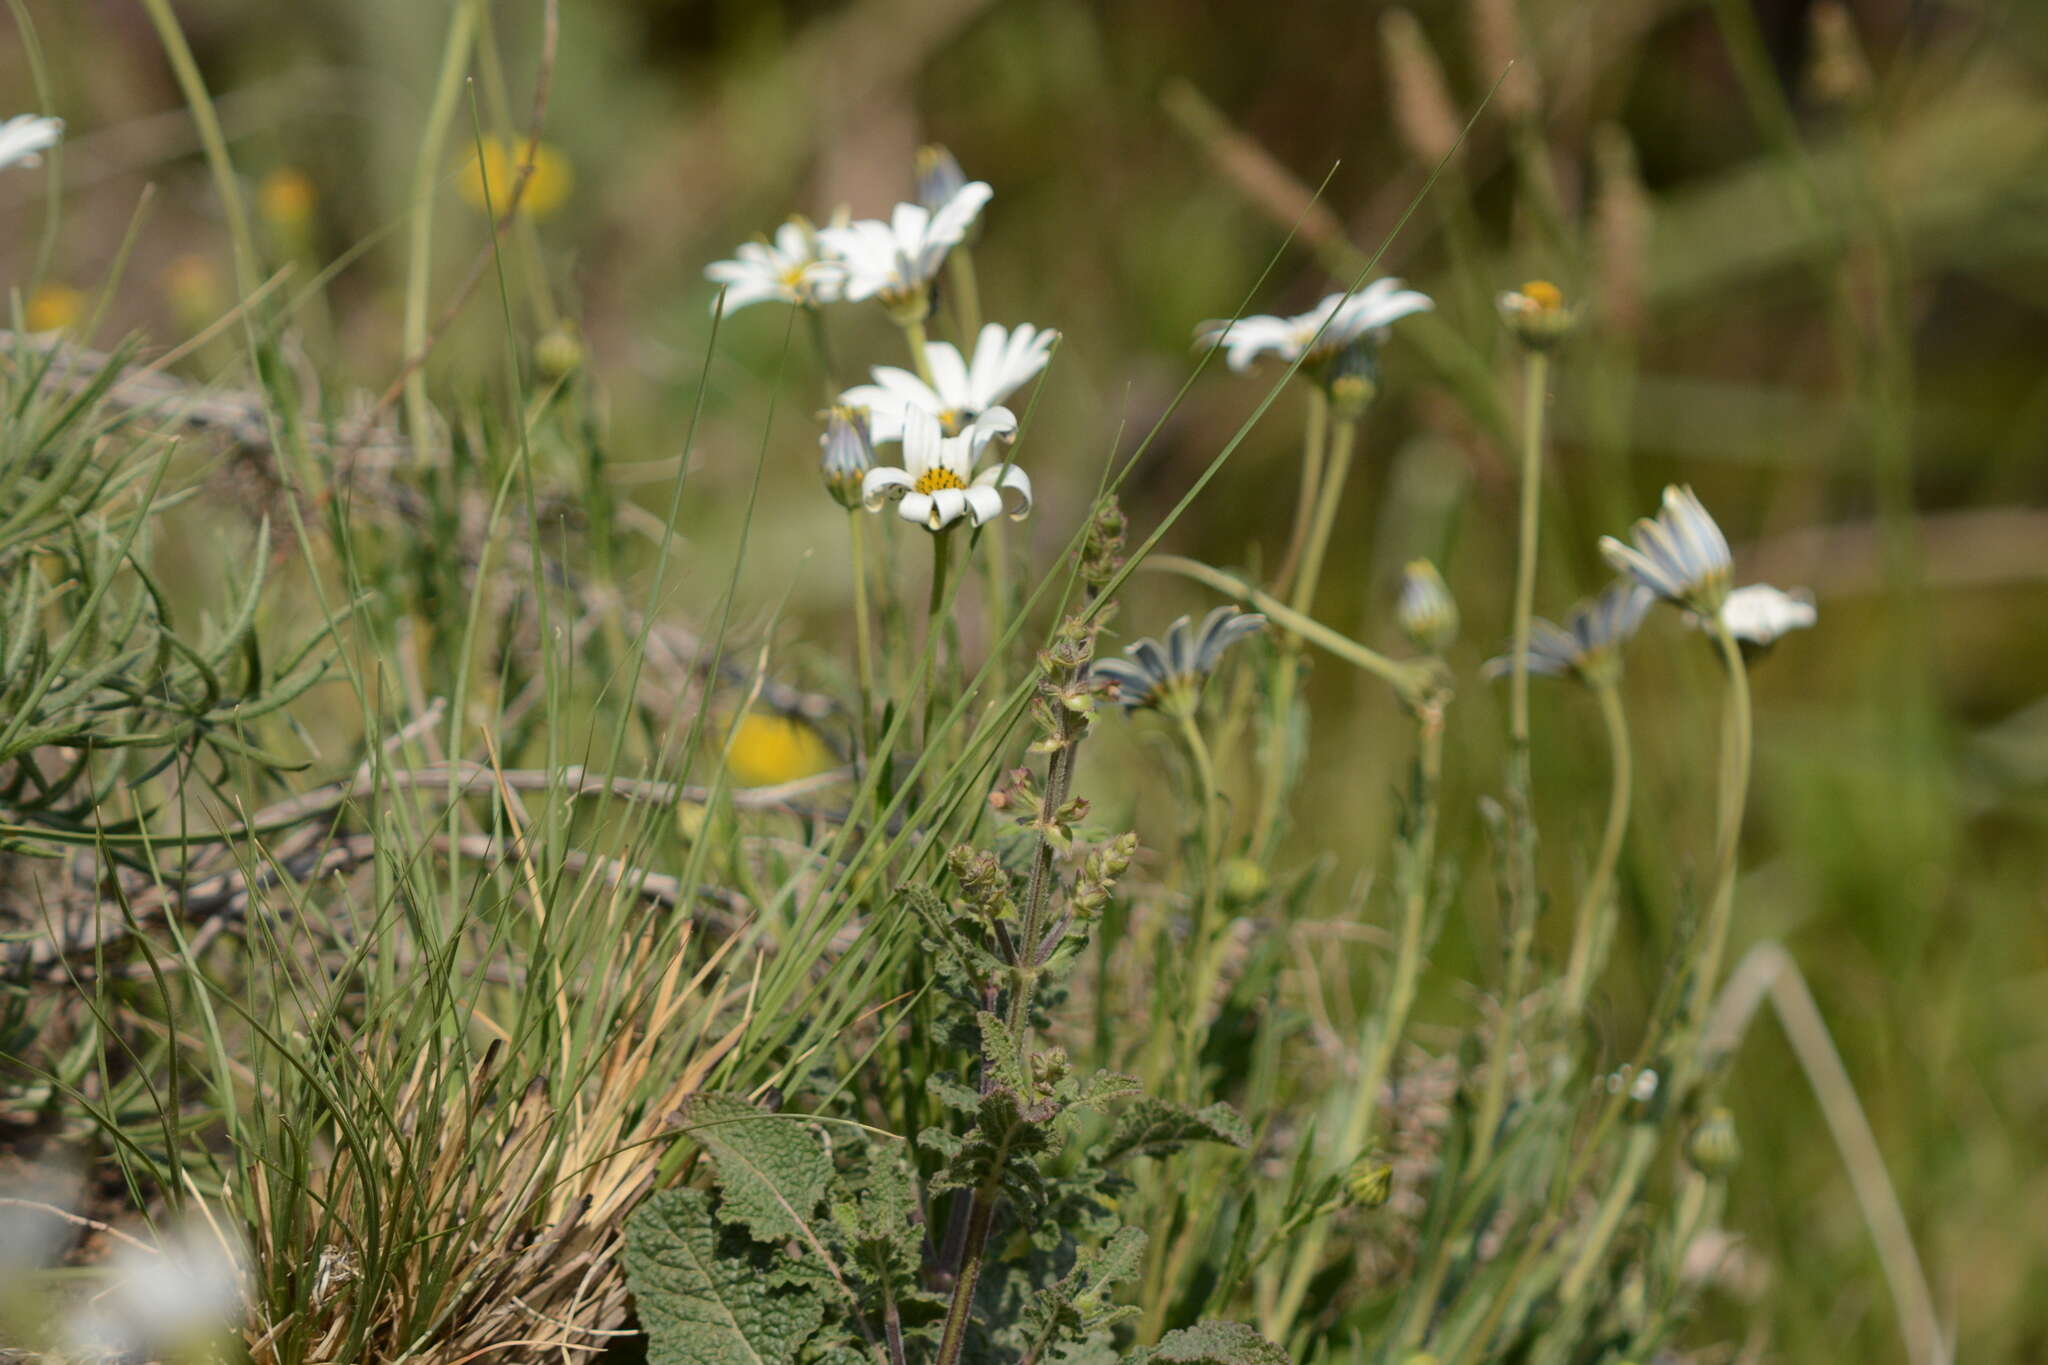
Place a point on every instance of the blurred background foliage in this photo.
(1812, 242)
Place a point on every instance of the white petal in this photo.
(738, 296)
(984, 504)
(988, 426)
(949, 377)
(948, 506)
(916, 507)
(957, 214)
(883, 484)
(1013, 484)
(924, 449)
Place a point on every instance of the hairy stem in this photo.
(1593, 900)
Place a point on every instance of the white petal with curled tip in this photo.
(988, 426)
(948, 505)
(916, 507)
(884, 484)
(1012, 484)
(984, 504)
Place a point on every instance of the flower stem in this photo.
(1381, 1036)
(1536, 377)
(1313, 436)
(1593, 900)
(1734, 795)
(966, 295)
(1343, 437)
(822, 344)
(942, 541)
(1200, 951)
(1523, 898)
(914, 337)
(857, 550)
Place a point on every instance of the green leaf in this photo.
(1212, 1343)
(1160, 1128)
(702, 1294)
(771, 1168)
(1004, 1054)
(1079, 1303)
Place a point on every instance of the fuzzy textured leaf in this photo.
(701, 1292)
(772, 1170)
(1211, 1343)
(1154, 1127)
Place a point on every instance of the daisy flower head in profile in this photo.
(936, 484)
(25, 137)
(846, 454)
(965, 394)
(1587, 645)
(1680, 554)
(896, 261)
(1759, 615)
(1167, 675)
(1537, 314)
(795, 267)
(1321, 334)
(1425, 609)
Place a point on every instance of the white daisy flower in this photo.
(1321, 332)
(25, 137)
(896, 261)
(1680, 554)
(963, 394)
(794, 268)
(937, 485)
(1759, 614)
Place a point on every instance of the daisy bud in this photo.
(1368, 1183)
(559, 354)
(847, 456)
(1244, 880)
(939, 177)
(1426, 610)
(1714, 1147)
(1537, 315)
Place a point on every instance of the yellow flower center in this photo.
(1544, 295)
(932, 480)
(949, 421)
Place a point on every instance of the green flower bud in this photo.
(1426, 610)
(1368, 1183)
(559, 353)
(1715, 1147)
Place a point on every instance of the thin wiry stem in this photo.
(864, 644)
(1522, 896)
(1313, 436)
(1593, 900)
(1201, 951)
(1381, 1036)
(1343, 438)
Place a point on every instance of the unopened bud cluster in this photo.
(1102, 549)
(1098, 877)
(1067, 697)
(983, 882)
(1019, 798)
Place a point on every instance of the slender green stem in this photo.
(1381, 1037)
(1536, 378)
(966, 294)
(1734, 796)
(1593, 900)
(1343, 438)
(856, 524)
(934, 626)
(827, 376)
(981, 1214)
(426, 177)
(192, 84)
(1728, 826)
(914, 337)
(1411, 679)
(1314, 435)
(1522, 898)
(1201, 952)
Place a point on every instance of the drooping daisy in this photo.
(962, 392)
(1425, 609)
(1758, 615)
(1680, 555)
(1588, 645)
(1319, 334)
(937, 485)
(25, 137)
(795, 268)
(896, 261)
(1167, 675)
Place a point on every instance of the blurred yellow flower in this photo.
(499, 166)
(53, 307)
(193, 285)
(286, 199)
(769, 748)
